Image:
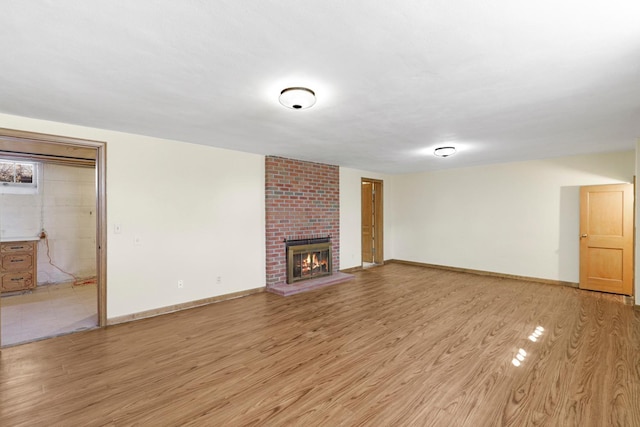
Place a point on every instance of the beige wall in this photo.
(198, 213)
(516, 218)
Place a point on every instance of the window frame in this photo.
(21, 187)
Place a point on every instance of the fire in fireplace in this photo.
(308, 258)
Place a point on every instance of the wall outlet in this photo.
(180, 284)
(137, 240)
(218, 280)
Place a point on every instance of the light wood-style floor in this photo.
(399, 345)
(48, 311)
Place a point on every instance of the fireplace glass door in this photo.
(308, 261)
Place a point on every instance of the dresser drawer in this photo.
(16, 281)
(9, 247)
(17, 262)
(18, 265)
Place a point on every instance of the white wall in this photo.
(69, 217)
(198, 213)
(20, 214)
(64, 206)
(516, 218)
(350, 215)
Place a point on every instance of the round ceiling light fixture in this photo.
(444, 151)
(297, 98)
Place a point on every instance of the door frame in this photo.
(378, 188)
(71, 151)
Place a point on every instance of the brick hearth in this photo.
(302, 199)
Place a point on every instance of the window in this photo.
(18, 177)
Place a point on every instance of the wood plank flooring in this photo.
(398, 345)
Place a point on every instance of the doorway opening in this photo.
(372, 222)
(42, 236)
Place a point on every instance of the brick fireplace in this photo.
(302, 200)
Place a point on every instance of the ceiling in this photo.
(502, 80)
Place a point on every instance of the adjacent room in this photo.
(249, 213)
(48, 247)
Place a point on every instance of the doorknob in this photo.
(582, 236)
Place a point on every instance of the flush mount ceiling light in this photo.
(444, 151)
(297, 98)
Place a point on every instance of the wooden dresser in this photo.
(18, 266)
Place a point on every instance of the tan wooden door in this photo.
(372, 221)
(606, 238)
(378, 241)
(367, 221)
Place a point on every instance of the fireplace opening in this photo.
(308, 258)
